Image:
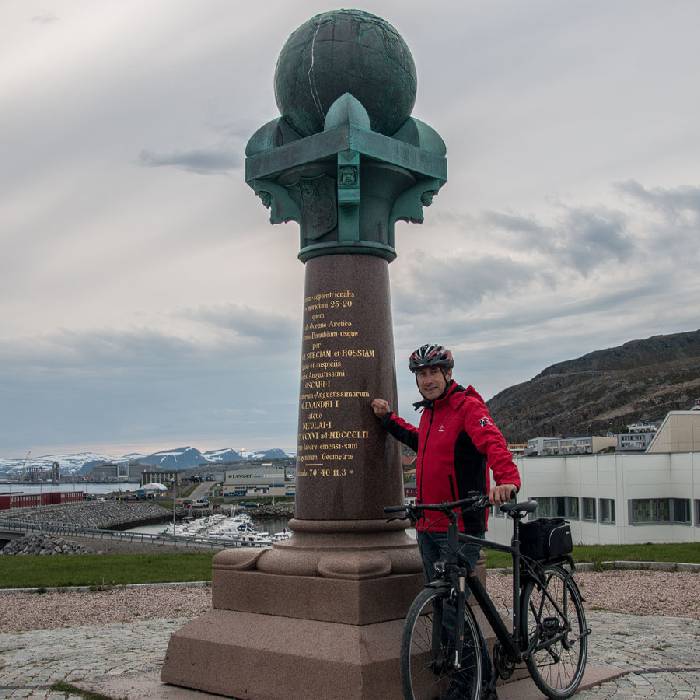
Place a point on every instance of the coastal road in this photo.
(202, 490)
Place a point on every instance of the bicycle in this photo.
(441, 645)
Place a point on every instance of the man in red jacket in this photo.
(457, 444)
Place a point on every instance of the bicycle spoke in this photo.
(557, 635)
(427, 652)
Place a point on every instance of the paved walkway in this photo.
(660, 655)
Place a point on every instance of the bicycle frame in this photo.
(514, 643)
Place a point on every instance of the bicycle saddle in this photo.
(524, 507)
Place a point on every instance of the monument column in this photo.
(346, 467)
(320, 615)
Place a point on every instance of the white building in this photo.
(679, 432)
(614, 498)
(586, 444)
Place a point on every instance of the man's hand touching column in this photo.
(380, 407)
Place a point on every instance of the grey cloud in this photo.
(593, 234)
(47, 18)
(620, 302)
(247, 322)
(517, 224)
(200, 161)
(671, 236)
(672, 202)
(460, 282)
(582, 239)
(82, 353)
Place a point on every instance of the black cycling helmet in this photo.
(430, 356)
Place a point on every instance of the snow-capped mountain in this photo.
(274, 453)
(228, 454)
(177, 458)
(81, 463)
(68, 463)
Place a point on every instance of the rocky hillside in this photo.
(604, 390)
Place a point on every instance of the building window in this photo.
(697, 513)
(589, 509)
(606, 506)
(660, 510)
(649, 510)
(546, 507)
(680, 511)
(557, 507)
(571, 507)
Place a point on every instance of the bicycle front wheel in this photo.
(428, 670)
(557, 633)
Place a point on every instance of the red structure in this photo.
(33, 500)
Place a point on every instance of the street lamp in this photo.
(174, 496)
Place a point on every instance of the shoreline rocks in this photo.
(270, 512)
(104, 515)
(43, 545)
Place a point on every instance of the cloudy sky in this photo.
(147, 303)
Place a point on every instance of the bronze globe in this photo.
(345, 51)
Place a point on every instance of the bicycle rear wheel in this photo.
(428, 671)
(557, 633)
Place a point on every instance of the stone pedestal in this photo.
(265, 657)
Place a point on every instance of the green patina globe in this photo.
(345, 51)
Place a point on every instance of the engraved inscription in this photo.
(332, 346)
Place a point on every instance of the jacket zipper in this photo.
(452, 487)
(422, 462)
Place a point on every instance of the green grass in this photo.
(103, 569)
(116, 569)
(62, 687)
(677, 552)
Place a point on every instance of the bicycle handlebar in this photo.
(394, 509)
(476, 500)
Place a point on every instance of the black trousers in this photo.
(433, 547)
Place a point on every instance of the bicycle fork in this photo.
(459, 623)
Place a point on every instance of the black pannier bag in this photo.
(546, 539)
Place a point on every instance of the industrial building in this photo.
(264, 480)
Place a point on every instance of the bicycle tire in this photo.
(556, 667)
(427, 670)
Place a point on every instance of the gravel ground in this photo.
(20, 612)
(633, 592)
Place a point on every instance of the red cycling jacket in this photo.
(456, 443)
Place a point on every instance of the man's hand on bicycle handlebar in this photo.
(502, 493)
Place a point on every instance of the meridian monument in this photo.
(320, 615)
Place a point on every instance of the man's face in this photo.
(431, 381)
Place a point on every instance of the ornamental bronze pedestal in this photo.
(320, 616)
